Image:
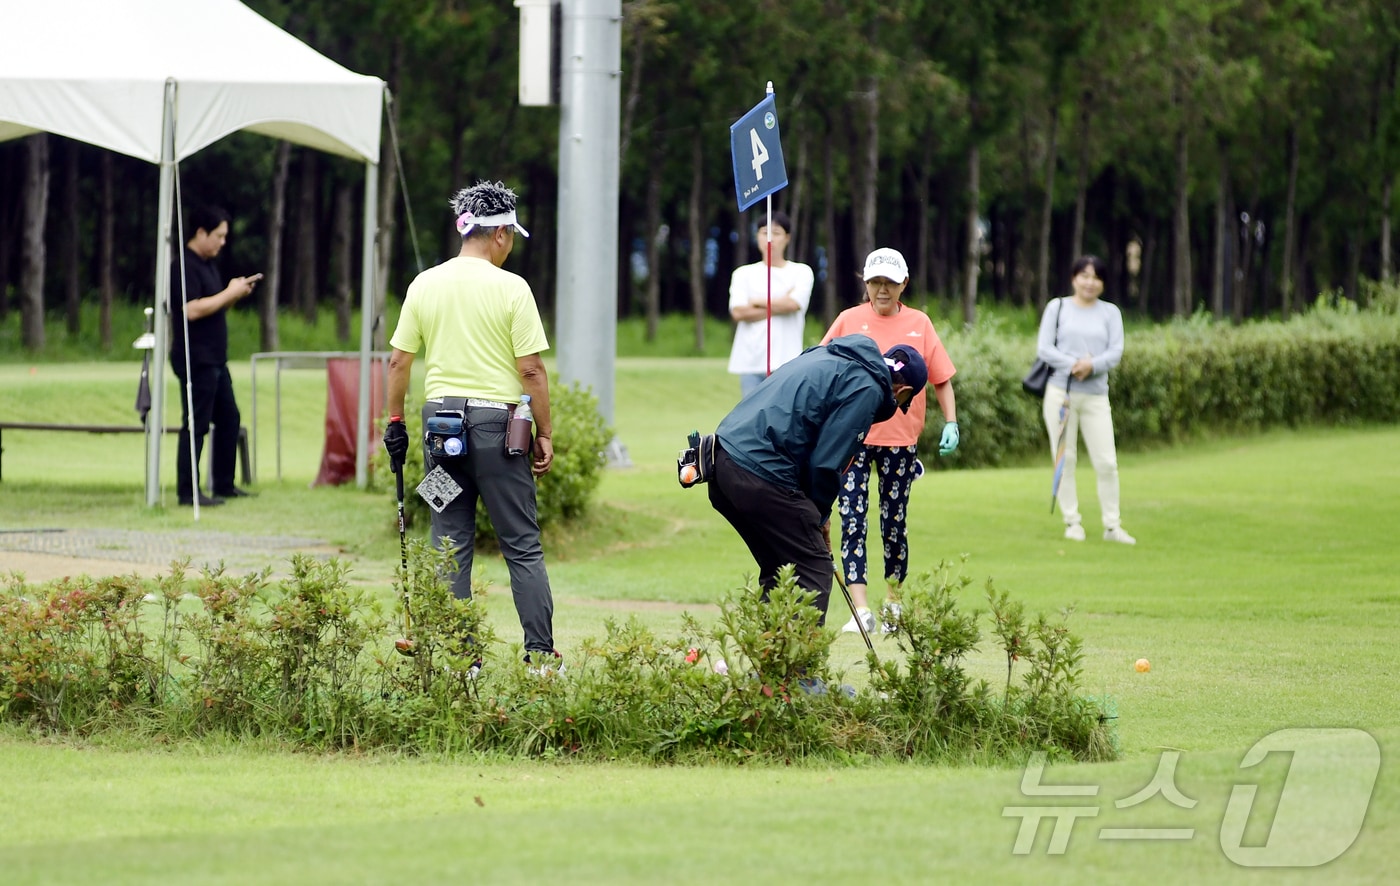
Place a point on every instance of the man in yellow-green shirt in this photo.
(482, 333)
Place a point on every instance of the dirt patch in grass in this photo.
(40, 568)
(46, 554)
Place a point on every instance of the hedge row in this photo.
(1335, 364)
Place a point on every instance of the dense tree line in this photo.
(1236, 156)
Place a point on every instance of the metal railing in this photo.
(296, 360)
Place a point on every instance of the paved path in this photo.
(45, 554)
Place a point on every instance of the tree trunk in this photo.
(36, 210)
(388, 202)
(1353, 278)
(924, 254)
(974, 252)
(634, 93)
(797, 207)
(342, 258)
(866, 168)
(71, 254)
(1149, 257)
(742, 228)
(830, 296)
(1047, 207)
(307, 285)
(1081, 188)
(623, 295)
(1386, 192)
(654, 242)
(1223, 239)
(1000, 243)
(1181, 233)
(106, 245)
(277, 227)
(943, 275)
(1246, 256)
(696, 227)
(1021, 274)
(1289, 234)
(451, 240)
(9, 229)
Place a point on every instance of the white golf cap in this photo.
(887, 263)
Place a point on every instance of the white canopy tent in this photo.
(161, 79)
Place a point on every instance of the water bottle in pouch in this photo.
(518, 430)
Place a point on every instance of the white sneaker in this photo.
(1075, 532)
(867, 618)
(889, 618)
(1119, 535)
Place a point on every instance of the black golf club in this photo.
(841, 582)
(404, 645)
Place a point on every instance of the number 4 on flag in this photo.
(760, 154)
(758, 165)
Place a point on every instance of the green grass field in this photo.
(1262, 589)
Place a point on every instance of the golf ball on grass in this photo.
(1142, 666)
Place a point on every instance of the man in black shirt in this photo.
(205, 299)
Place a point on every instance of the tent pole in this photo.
(155, 419)
(367, 321)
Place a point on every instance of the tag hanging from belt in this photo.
(438, 489)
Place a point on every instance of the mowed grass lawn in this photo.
(1262, 589)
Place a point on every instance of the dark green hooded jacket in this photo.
(800, 428)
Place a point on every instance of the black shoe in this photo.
(234, 492)
(205, 501)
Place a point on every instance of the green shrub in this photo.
(580, 438)
(73, 651)
(308, 661)
(1334, 364)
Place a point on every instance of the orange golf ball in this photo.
(689, 474)
(1142, 666)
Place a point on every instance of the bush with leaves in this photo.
(318, 629)
(311, 661)
(73, 651)
(580, 438)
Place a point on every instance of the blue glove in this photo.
(948, 444)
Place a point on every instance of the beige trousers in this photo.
(1089, 416)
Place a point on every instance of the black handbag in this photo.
(1039, 376)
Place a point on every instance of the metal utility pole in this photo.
(590, 98)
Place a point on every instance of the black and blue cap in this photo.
(908, 364)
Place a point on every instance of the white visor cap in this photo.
(466, 221)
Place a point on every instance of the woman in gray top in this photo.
(1081, 338)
